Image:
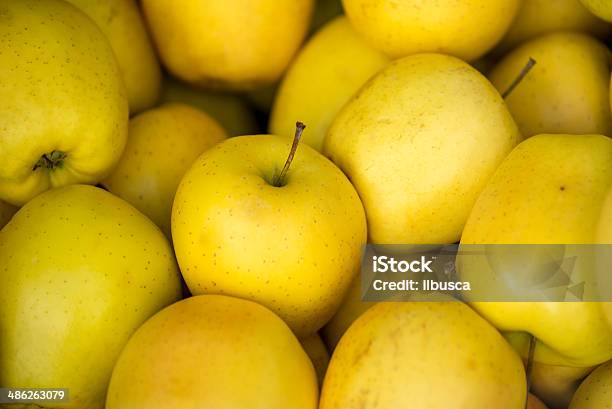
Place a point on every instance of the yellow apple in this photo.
(120, 20)
(213, 351)
(232, 112)
(538, 17)
(80, 270)
(163, 143)
(228, 44)
(594, 392)
(601, 8)
(326, 73)
(293, 246)
(318, 354)
(549, 190)
(435, 355)
(408, 141)
(6, 212)
(63, 109)
(464, 28)
(568, 89)
(350, 309)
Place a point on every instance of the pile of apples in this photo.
(158, 251)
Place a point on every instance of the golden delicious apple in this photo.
(213, 351)
(318, 354)
(80, 271)
(163, 143)
(601, 8)
(435, 355)
(549, 190)
(568, 89)
(326, 73)
(350, 309)
(464, 28)
(63, 109)
(556, 385)
(596, 390)
(228, 44)
(293, 245)
(537, 17)
(408, 141)
(120, 20)
(6, 212)
(230, 110)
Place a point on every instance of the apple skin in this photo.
(213, 351)
(549, 190)
(539, 17)
(80, 270)
(601, 8)
(228, 44)
(319, 81)
(121, 22)
(408, 139)
(350, 309)
(163, 143)
(466, 28)
(293, 248)
(594, 391)
(566, 92)
(62, 93)
(435, 355)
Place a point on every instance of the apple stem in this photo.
(50, 160)
(530, 64)
(279, 179)
(529, 366)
